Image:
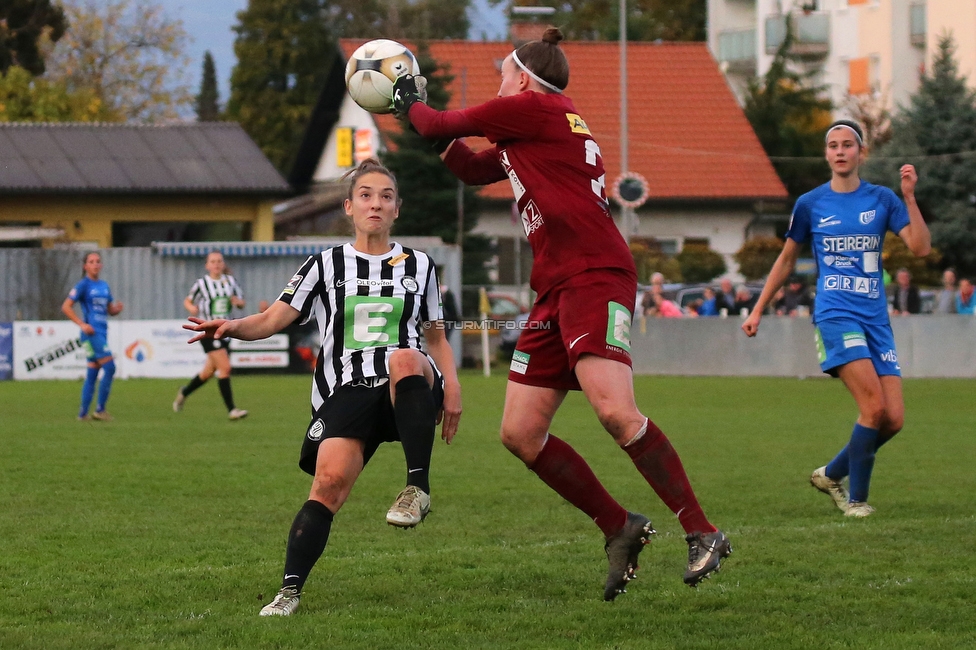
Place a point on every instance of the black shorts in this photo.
(362, 411)
(209, 345)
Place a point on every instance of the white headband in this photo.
(534, 75)
(845, 126)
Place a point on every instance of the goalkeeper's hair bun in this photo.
(546, 59)
(552, 35)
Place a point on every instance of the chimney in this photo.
(521, 32)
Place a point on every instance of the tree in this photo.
(699, 263)
(23, 25)
(24, 98)
(647, 20)
(789, 117)
(756, 257)
(129, 54)
(925, 270)
(650, 259)
(400, 19)
(429, 188)
(285, 51)
(937, 133)
(208, 106)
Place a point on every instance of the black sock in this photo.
(415, 415)
(194, 384)
(226, 393)
(306, 541)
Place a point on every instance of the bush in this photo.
(756, 257)
(649, 260)
(699, 263)
(925, 270)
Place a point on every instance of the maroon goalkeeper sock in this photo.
(661, 467)
(565, 471)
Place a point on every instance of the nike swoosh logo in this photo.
(411, 471)
(577, 340)
(342, 283)
(291, 575)
(826, 219)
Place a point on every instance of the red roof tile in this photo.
(688, 136)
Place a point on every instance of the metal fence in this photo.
(152, 281)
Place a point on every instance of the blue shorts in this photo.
(96, 347)
(842, 340)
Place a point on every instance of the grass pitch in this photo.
(165, 530)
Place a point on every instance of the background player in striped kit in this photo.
(97, 305)
(373, 382)
(214, 296)
(584, 276)
(845, 220)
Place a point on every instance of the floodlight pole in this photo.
(627, 214)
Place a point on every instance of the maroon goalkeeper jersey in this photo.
(549, 155)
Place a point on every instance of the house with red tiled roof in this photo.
(708, 177)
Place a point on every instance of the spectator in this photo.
(965, 303)
(795, 299)
(906, 298)
(664, 308)
(709, 303)
(946, 302)
(725, 298)
(744, 301)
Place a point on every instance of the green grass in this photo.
(164, 530)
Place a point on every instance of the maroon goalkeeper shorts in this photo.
(590, 313)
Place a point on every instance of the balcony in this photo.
(811, 34)
(917, 24)
(737, 48)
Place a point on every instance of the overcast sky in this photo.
(209, 22)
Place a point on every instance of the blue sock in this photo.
(108, 371)
(839, 467)
(88, 391)
(860, 451)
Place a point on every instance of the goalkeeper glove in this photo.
(407, 91)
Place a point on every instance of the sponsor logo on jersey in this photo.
(364, 282)
(852, 284)
(618, 327)
(890, 356)
(832, 220)
(576, 124)
(867, 217)
(839, 261)
(855, 340)
(316, 430)
(399, 258)
(517, 188)
(531, 218)
(851, 243)
(293, 284)
(410, 284)
(520, 362)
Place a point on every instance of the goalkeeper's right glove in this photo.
(407, 91)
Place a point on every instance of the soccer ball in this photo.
(372, 69)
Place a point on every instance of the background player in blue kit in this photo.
(845, 222)
(97, 305)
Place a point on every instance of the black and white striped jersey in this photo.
(212, 297)
(366, 307)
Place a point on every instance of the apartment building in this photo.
(857, 48)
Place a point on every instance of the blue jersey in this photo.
(848, 232)
(94, 296)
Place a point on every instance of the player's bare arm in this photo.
(916, 234)
(190, 307)
(68, 309)
(443, 355)
(115, 308)
(251, 328)
(777, 276)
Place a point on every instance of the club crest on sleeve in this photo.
(293, 284)
(410, 284)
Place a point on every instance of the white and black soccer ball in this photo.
(372, 69)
